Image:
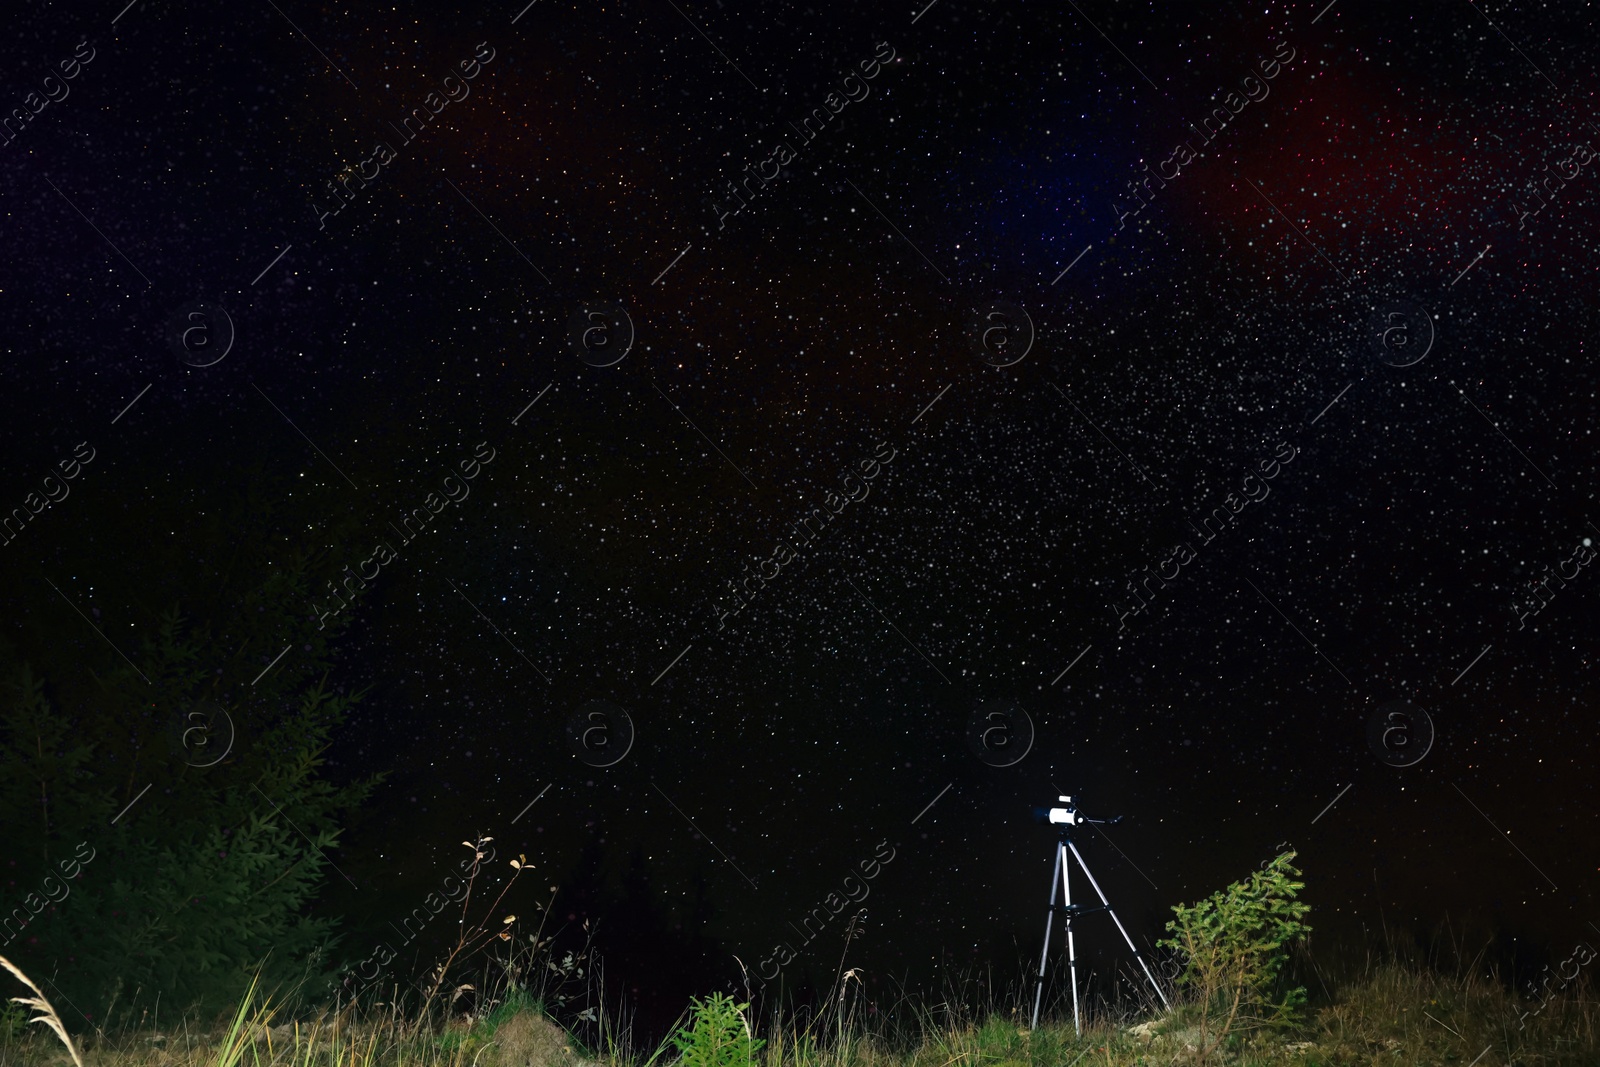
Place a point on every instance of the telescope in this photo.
(1067, 816)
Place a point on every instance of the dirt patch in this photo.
(529, 1040)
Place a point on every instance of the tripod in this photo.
(1067, 818)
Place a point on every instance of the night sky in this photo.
(896, 416)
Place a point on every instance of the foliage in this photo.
(1392, 1013)
(717, 1036)
(1234, 946)
(13, 1022)
(207, 846)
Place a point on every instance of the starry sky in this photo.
(1143, 460)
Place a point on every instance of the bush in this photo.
(1233, 945)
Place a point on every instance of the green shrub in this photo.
(13, 1022)
(1234, 945)
(717, 1036)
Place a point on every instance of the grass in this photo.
(1391, 1012)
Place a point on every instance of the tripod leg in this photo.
(1072, 954)
(1131, 946)
(1050, 917)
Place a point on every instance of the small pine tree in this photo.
(1234, 947)
(718, 1035)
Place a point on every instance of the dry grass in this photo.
(1390, 1014)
